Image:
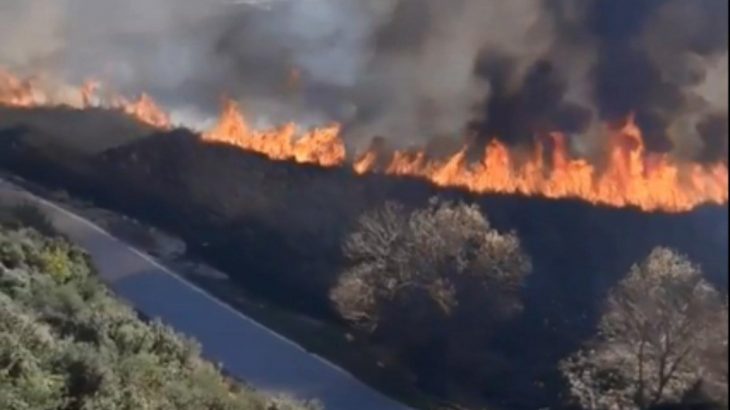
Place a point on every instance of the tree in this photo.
(714, 357)
(441, 252)
(662, 327)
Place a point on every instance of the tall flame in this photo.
(319, 146)
(631, 176)
(16, 92)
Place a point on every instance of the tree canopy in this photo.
(436, 251)
(663, 334)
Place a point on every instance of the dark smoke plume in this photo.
(408, 70)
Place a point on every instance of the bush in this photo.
(66, 343)
(11, 253)
(28, 215)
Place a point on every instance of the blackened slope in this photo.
(87, 131)
(276, 228)
(289, 221)
(312, 208)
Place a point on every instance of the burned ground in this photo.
(277, 228)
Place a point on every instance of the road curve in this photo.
(246, 349)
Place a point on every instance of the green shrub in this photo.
(11, 254)
(28, 215)
(55, 262)
(66, 343)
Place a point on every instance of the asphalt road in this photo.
(246, 349)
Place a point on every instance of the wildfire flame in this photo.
(631, 176)
(319, 146)
(144, 109)
(17, 92)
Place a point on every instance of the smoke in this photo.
(407, 70)
(665, 65)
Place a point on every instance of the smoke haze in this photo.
(407, 70)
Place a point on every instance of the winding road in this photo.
(246, 349)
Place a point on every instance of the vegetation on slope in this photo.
(66, 343)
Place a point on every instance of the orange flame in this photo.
(319, 146)
(145, 110)
(16, 92)
(630, 177)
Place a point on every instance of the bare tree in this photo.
(430, 250)
(655, 337)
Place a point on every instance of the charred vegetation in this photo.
(277, 229)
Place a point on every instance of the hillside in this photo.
(66, 342)
(292, 221)
(88, 131)
(277, 229)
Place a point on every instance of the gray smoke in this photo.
(407, 70)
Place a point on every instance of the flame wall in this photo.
(407, 70)
(541, 90)
(629, 176)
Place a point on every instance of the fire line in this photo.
(631, 176)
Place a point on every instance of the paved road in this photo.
(247, 350)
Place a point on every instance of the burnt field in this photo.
(277, 229)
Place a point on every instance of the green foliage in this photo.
(28, 249)
(56, 263)
(65, 343)
(27, 215)
(11, 253)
